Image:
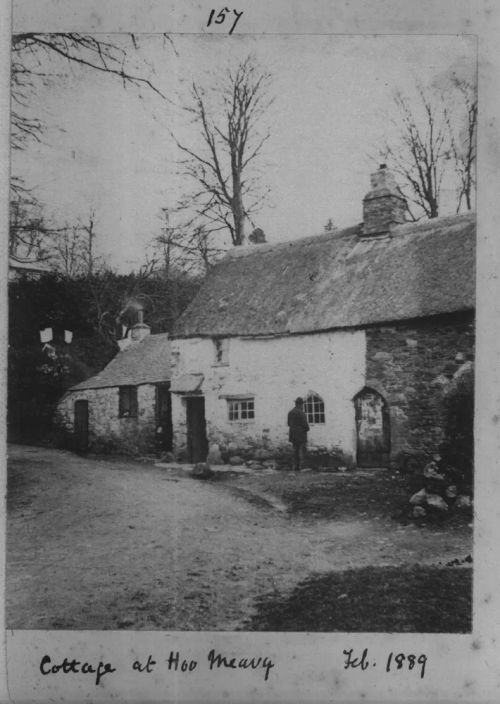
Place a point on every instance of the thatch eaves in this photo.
(338, 280)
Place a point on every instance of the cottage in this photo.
(364, 323)
(127, 405)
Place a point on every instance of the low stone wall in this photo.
(248, 449)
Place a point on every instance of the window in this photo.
(242, 409)
(128, 402)
(221, 350)
(314, 409)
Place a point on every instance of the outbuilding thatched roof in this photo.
(144, 362)
(338, 280)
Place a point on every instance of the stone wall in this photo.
(274, 371)
(107, 431)
(409, 364)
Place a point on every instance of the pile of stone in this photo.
(259, 458)
(264, 464)
(442, 492)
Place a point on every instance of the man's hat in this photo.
(299, 400)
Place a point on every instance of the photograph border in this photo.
(307, 667)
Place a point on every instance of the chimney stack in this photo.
(257, 236)
(140, 330)
(383, 207)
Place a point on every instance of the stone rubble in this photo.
(419, 498)
(202, 470)
(443, 491)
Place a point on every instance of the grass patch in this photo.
(354, 495)
(333, 497)
(407, 599)
(330, 495)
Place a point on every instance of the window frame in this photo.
(314, 408)
(128, 406)
(237, 406)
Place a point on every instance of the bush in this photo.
(457, 450)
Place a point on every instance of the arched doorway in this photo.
(373, 435)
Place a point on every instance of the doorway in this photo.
(373, 437)
(81, 426)
(197, 444)
(163, 408)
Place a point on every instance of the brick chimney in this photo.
(383, 206)
(140, 330)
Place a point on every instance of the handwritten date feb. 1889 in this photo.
(398, 661)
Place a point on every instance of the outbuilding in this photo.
(126, 407)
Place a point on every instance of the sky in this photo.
(107, 148)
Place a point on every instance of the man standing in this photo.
(297, 422)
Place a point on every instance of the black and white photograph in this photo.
(242, 334)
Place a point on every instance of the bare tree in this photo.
(420, 150)
(67, 252)
(25, 227)
(434, 142)
(31, 69)
(72, 248)
(181, 247)
(227, 190)
(88, 228)
(167, 242)
(30, 235)
(462, 135)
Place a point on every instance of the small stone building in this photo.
(367, 324)
(126, 407)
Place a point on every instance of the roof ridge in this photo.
(238, 252)
(433, 223)
(417, 225)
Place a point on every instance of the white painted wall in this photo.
(275, 371)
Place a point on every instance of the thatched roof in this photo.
(338, 280)
(144, 362)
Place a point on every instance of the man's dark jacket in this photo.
(298, 424)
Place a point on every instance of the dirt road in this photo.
(106, 545)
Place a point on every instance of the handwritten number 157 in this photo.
(221, 16)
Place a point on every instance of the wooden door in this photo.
(372, 429)
(81, 426)
(197, 445)
(163, 417)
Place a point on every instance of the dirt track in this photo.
(107, 545)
